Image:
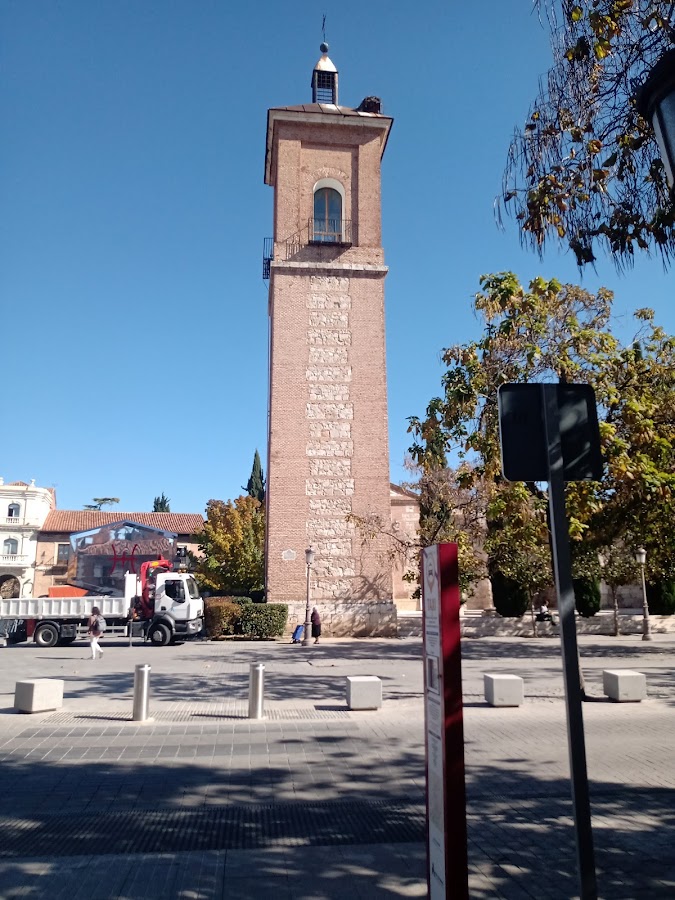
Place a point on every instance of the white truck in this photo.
(161, 605)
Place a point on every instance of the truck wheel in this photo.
(46, 635)
(161, 635)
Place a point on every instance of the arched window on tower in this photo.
(13, 511)
(10, 547)
(327, 228)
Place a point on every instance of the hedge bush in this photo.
(661, 598)
(263, 620)
(509, 598)
(221, 616)
(586, 596)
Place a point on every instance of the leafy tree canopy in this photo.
(233, 544)
(99, 502)
(255, 487)
(550, 332)
(585, 169)
(161, 503)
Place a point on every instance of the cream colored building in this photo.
(23, 510)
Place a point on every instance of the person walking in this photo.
(96, 627)
(315, 619)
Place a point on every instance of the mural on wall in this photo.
(101, 557)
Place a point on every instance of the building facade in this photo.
(328, 455)
(23, 509)
(54, 550)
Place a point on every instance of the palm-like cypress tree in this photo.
(161, 503)
(255, 486)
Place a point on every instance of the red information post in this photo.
(447, 862)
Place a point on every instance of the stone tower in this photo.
(328, 451)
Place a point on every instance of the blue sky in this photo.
(133, 211)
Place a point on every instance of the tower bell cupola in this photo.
(325, 79)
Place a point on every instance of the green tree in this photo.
(449, 512)
(255, 486)
(585, 169)
(561, 332)
(161, 503)
(517, 542)
(233, 546)
(618, 568)
(99, 502)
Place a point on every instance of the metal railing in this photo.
(330, 231)
(317, 232)
(268, 256)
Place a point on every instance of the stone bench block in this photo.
(364, 692)
(38, 695)
(624, 685)
(503, 690)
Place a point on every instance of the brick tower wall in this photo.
(328, 441)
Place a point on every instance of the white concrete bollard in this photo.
(38, 695)
(503, 690)
(364, 692)
(624, 685)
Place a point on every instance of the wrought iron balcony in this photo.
(317, 233)
(268, 256)
(330, 231)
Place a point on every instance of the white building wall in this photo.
(34, 504)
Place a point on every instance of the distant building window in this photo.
(10, 547)
(13, 511)
(327, 216)
(62, 554)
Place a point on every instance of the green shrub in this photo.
(661, 598)
(263, 620)
(586, 596)
(509, 597)
(221, 616)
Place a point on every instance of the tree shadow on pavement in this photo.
(267, 791)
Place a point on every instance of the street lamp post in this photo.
(309, 559)
(656, 103)
(641, 559)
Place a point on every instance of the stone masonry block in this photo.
(503, 690)
(329, 283)
(624, 685)
(364, 692)
(38, 695)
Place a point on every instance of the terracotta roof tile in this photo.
(71, 520)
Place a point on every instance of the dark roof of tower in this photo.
(328, 109)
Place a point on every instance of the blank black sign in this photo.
(523, 435)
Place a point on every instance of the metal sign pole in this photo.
(562, 568)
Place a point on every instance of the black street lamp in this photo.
(656, 103)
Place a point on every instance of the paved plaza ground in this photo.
(317, 801)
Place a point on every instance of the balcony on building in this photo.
(14, 521)
(13, 559)
(338, 233)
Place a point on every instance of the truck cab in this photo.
(178, 608)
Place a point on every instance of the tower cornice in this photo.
(321, 114)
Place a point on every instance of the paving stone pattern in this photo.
(315, 800)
